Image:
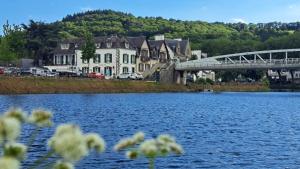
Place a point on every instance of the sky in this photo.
(254, 11)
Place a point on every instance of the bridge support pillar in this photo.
(184, 78)
(181, 77)
(178, 77)
(292, 75)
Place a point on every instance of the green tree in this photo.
(6, 54)
(88, 48)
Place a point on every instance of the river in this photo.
(216, 130)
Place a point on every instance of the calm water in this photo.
(226, 130)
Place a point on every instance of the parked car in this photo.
(136, 76)
(52, 74)
(96, 75)
(39, 71)
(124, 76)
(1, 71)
(25, 72)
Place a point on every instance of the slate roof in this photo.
(136, 42)
(116, 42)
(182, 44)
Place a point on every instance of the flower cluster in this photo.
(41, 118)
(10, 128)
(162, 146)
(71, 144)
(68, 141)
(130, 142)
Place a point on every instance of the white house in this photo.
(116, 55)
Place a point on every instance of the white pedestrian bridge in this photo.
(270, 59)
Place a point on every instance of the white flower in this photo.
(165, 138)
(132, 154)
(149, 148)
(15, 150)
(63, 165)
(124, 143)
(69, 142)
(139, 137)
(41, 118)
(9, 163)
(16, 113)
(9, 129)
(176, 148)
(94, 141)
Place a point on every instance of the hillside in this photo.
(213, 38)
(37, 39)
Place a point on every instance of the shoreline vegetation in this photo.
(38, 85)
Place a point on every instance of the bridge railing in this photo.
(244, 64)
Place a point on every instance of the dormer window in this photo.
(108, 44)
(126, 45)
(98, 45)
(65, 46)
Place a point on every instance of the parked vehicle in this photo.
(136, 76)
(10, 70)
(52, 74)
(124, 76)
(38, 71)
(1, 71)
(25, 72)
(96, 75)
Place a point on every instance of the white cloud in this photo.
(86, 9)
(238, 20)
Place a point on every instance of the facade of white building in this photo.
(116, 55)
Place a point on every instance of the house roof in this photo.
(182, 44)
(137, 42)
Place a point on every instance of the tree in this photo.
(6, 54)
(88, 49)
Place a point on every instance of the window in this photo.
(67, 59)
(108, 44)
(73, 59)
(147, 67)
(133, 70)
(125, 58)
(108, 71)
(85, 70)
(61, 59)
(125, 69)
(141, 67)
(98, 45)
(96, 69)
(133, 59)
(65, 46)
(144, 53)
(84, 61)
(126, 45)
(97, 58)
(108, 58)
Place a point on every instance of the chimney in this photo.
(159, 37)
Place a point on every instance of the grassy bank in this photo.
(22, 85)
(31, 85)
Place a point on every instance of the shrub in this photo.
(68, 143)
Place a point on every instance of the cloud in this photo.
(238, 20)
(83, 9)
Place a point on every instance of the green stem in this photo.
(33, 136)
(151, 163)
(42, 159)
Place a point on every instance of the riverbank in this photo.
(37, 85)
(32, 85)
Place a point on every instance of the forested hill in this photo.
(214, 38)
